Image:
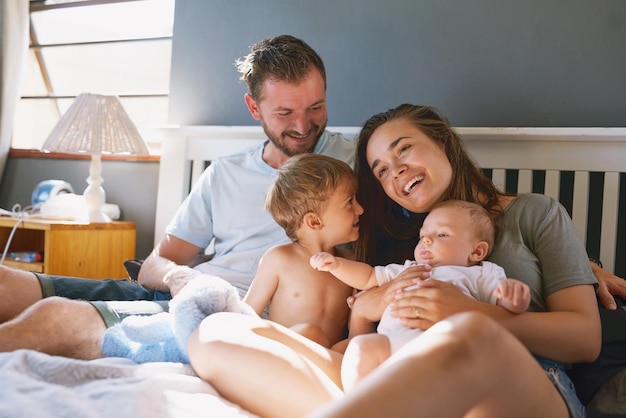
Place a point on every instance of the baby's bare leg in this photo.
(364, 353)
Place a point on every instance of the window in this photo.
(112, 47)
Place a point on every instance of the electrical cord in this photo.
(29, 211)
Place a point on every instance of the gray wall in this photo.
(131, 185)
(482, 62)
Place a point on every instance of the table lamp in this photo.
(96, 124)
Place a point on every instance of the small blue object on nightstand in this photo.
(49, 188)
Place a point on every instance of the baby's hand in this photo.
(323, 261)
(513, 295)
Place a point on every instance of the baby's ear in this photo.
(481, 249)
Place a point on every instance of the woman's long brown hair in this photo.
(388, 232)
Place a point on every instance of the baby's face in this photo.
(446, 237)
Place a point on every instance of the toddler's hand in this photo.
(323, 261)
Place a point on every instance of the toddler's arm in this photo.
(265, 281)
(513, 295)
(353, 273)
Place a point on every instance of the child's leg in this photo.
(312, 332)
(364, 353)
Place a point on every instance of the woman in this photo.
(468, 364)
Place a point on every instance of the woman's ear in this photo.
(312, 221)
(481, 249)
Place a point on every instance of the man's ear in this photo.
(480, 252)
(252, 106)
(312, 221)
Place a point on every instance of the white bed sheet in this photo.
(38, 385)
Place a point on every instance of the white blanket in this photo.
(38, 385)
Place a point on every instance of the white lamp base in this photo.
(94, 193)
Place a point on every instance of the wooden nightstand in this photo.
(89, 250)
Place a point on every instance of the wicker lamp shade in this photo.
(96, 124)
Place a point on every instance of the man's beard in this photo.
(279, 143)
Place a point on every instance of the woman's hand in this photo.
(368, 306)
(609, 285)
(428, 302)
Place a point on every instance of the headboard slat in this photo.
(610, 214)
(553, 184)
(580, 201)
(525, 181)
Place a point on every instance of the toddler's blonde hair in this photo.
(304, 184)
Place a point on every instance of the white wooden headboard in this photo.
(581, 167)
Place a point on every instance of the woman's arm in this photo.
(569, 332)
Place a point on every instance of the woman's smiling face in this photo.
(413, 170)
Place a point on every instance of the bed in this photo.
(582, 167)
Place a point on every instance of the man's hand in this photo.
(610, 285)
(166, 268)
(178, 276)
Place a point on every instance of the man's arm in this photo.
(167, 267)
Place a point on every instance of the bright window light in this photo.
(113, 48)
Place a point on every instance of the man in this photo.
(287, 94)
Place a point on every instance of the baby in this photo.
(455, 238)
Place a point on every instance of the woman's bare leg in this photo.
(465, 366)
(264, 367)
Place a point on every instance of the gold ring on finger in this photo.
(416, 312)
